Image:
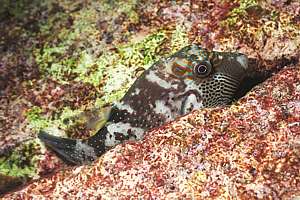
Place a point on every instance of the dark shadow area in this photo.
(256, 77)
(10, 183)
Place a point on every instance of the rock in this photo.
(59, 56)
(248, 150)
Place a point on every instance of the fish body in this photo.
(190, 79)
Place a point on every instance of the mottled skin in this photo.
(190, 79)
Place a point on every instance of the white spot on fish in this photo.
(136, 91)
(161, 108)
(110, 139)
(243, 60)
(194, 50)
(123, 106)
(197, 52)
(191, 85)
(122, 128)
(168, 63)
(191, 103)
(152, 77)
(82, 149)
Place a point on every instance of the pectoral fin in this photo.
(98, 118)
(93, 119)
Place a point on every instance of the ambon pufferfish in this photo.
(190, 79)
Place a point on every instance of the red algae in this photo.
(246, 151)
(249, 150)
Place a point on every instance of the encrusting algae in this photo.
(59, 55)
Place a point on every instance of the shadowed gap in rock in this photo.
(258, 76)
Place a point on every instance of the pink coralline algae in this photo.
(249, 150)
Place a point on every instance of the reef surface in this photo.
(210, 153)
(62, 63)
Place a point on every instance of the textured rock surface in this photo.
(249, 150)
(65, 57)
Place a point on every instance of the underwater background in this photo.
(63, 62)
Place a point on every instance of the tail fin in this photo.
(75, 152)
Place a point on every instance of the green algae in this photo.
(63, 120)
(69, 44)
(118, 67)
(23, 161)
(17, 9)
(116, 7)
(35, 119)
(67, 118)
(179, 38)
(240, 11)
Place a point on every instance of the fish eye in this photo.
(202, 69)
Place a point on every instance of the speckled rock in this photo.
(249, 150)
(65, 58)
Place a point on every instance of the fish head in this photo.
(212, 77)
(189, 79)
(197, 63)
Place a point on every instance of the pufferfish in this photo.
(190, 79)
